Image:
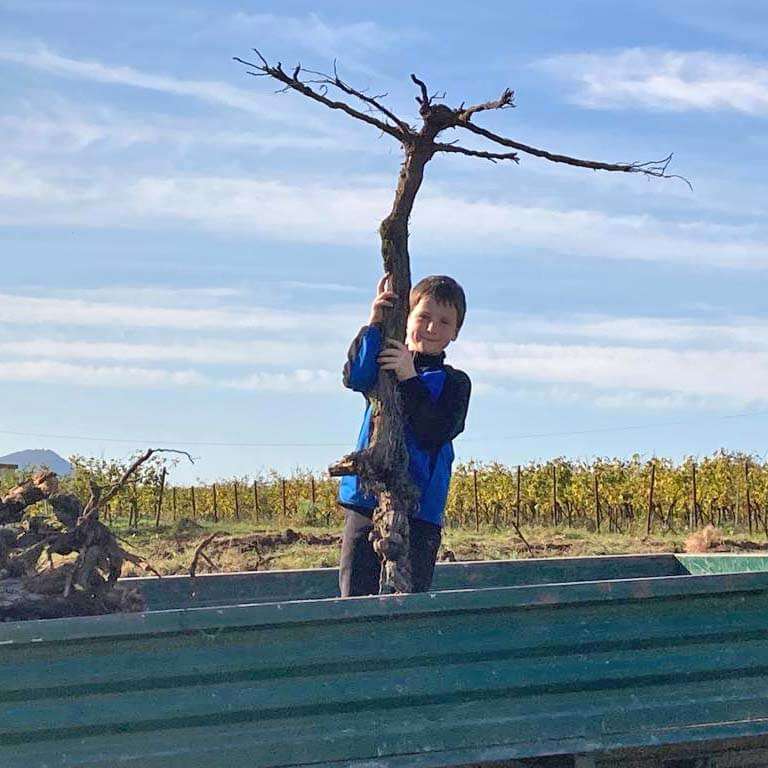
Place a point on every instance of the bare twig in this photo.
(295, 84)
(199, 552)
(93, 501)
(521, 537)
(372, 101)
(110, 494)
(656, 168)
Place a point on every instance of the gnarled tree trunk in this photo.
(383, 466)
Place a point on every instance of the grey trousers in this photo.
(360, 567)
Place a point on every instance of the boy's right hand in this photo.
(384, 298)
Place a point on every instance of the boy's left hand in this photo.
(397, 358)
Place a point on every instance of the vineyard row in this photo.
(637, 496)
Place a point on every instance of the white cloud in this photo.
(737, 332)
(349, 214)
(63, 312)
(129, 377)
(152, 295)
(612, 361)
(589, 233)
(65, 130)
(306, 213)
(349, 42)
(55, 372)
(647, 78)
(300, 380)
(739, 376)
(212, 352)
(254, 101)
(325, 287)
(655, 402)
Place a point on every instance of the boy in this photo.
(435, 397)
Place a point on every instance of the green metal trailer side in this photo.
(533, 659)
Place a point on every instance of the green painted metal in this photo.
(276, 586)
(451, 677)
(722, 563)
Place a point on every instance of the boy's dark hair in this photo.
(444, 290)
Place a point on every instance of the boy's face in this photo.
(431, 326)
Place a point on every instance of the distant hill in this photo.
(38, 458)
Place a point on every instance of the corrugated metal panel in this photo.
(446, 678)
(276, 586)
(698, 565)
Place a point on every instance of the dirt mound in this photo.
(265, 542)
(729, 545)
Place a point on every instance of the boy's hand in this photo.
(397, 358)
(384, 298)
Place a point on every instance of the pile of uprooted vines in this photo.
(67, 564)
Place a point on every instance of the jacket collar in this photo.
(421, 360)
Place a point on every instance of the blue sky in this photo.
(186, 254)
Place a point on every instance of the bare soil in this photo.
(240, 547)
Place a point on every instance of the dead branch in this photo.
(492, 156)
(372, 101)
(112, 492)
(657, 168)
(521, 537)
(505, 101)
(424, 101)
(293, 83)
(199, 552)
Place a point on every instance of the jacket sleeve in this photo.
(436, 422)
(362, 366)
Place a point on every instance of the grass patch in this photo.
(248, 546)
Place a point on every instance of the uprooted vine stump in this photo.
(32, 584)
(383, 466)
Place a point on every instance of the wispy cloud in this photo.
(42, 58)
(152, 295)
(615, 376)
(63, 312)
(336, 214)
(47, 130)
(351, 42)
(737, 332)
(734, 376)
(213, 352)
(609, 361)
(648, 401)
(329, 287)
(55, 372)
(301, 380)
(590, 233)
(647, 78)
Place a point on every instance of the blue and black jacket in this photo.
(435, 407)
